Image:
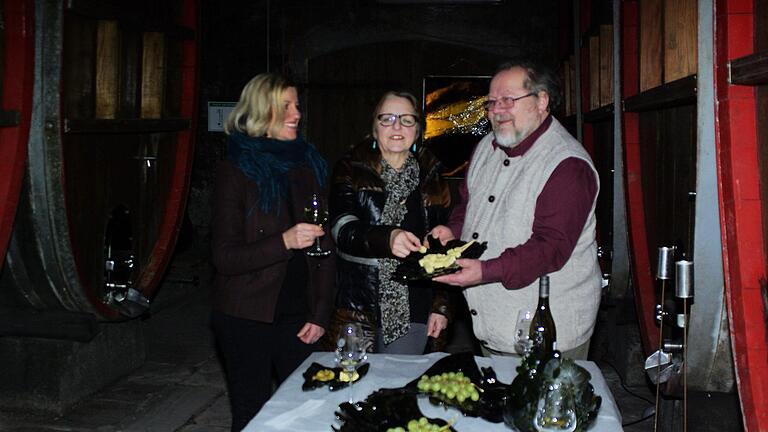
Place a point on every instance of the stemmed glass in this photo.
(522, 330)
(316, 214)
(556, 411)
(350, 352)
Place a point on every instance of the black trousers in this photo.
(252, 351)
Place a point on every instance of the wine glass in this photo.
(556, 410)
(316, 214)
(350, 352)
(522, 331)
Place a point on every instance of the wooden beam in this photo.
(107, 69)
(676, 93)
(127, 126)
(594, 72)
(606, 65)
(567, 88)
(153, 75)
(750, 70)
(572, 78)
(79, 67)
(130, 15)
(601, 114)
(130, 73)
(680, 33)
(650, 44)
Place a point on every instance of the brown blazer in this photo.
(250, 256)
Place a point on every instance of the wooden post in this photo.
(567, 88)
(680, 32)
(572, 78)
(594, 72)
(153, 75)
(107, 61)
(650, 44)
(606, 65)
(130, 73)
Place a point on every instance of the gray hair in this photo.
(539, 78)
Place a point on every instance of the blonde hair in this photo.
(259, 105)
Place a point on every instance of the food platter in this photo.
(389, 408)
(513, 404)
(382, 410)
(317, 376)
(410, 270)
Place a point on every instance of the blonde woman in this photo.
(271, 302)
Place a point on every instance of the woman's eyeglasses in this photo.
(406, 120)
(504, 101)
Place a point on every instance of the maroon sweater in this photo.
(561, 211)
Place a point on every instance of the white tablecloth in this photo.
(291, 409)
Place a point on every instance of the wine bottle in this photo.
(542, 333)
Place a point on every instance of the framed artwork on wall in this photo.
(455, 118)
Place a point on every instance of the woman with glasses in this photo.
(386, 194)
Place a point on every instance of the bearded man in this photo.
(530, 192)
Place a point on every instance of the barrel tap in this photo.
(658, 365)
(684, 291)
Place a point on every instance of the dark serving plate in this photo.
(493, 394)
(410, 269)
(335, 384)
(381, 410)
(389, 408)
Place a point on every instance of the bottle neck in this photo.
(544, 288)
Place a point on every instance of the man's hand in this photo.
(301, 235)
(402, 243)
(471, 273)
(442, 233)
(310, 333)
(436, 324)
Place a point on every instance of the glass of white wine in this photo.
(556, 410)
(316, 213)
(522, 331)
(350, 352)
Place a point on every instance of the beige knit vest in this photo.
(507, 221)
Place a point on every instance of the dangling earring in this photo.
(413, 147)
(373, 146)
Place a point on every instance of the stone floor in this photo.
(181, 388)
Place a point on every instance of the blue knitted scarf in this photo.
(267, 162)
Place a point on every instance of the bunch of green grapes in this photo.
(450, 385)
(421, 425)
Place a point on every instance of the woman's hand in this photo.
(302, 235)
(436, 324)
(442, 233)
(310, 333)
(402, 243)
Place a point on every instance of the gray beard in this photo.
(508, 140)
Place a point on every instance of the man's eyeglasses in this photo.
(504, 101)
(406, 120)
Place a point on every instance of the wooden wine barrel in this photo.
(741, 80)
(110, 153)
(672, 201)
(694, 181)
(16, 78)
